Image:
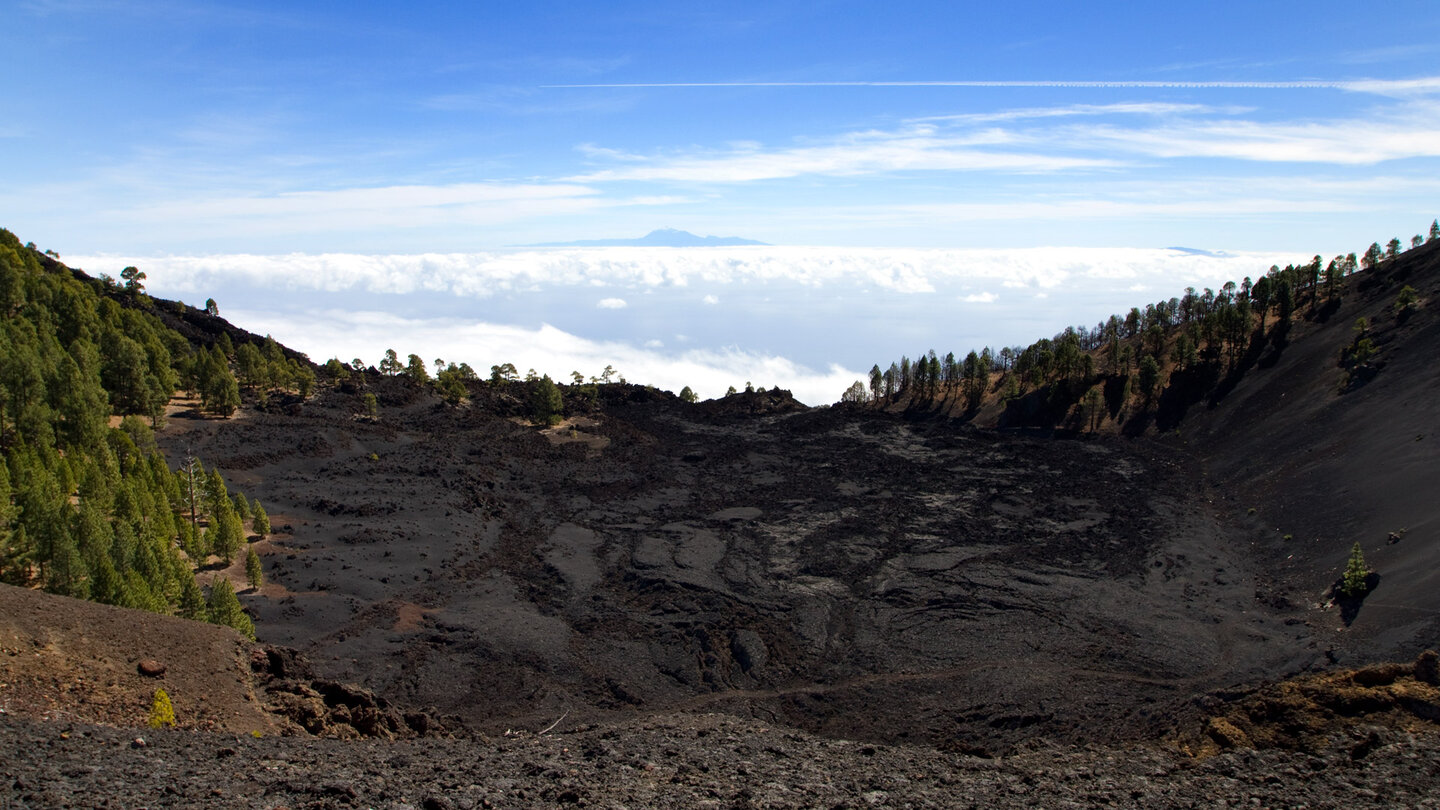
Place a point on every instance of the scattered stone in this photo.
(150, 668)
(1381, 674)
(1427, 668)
(1226, 734)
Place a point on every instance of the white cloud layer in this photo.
(336, 333)
(801, 318)
(481, 275)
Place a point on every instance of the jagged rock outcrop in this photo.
(327, 708)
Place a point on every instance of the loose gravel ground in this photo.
(700, 761)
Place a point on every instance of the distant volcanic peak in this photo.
(664, 237)
(1216, 254)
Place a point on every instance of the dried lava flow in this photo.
(847, 572)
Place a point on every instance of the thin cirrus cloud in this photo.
(1015, 141)
(390, 206)
(1152, 108)
(918, 147)
(1408, 131)
(1076, 84)
(1421, 85)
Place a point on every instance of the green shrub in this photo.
(162, 711)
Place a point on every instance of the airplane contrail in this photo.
(1298, 85)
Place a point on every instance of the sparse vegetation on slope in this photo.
(1140, 370)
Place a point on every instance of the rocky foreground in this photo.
(688, 761)
(75, 686)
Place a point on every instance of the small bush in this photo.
(162, 711)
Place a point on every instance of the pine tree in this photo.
(415, 370)
(217, 496)
(1406, 299)
(224, 608)
(251, 366)
(303, 378)
(10, 558)
(260, 523)
(1094, 412)
(133, 278)
(254, 572)
(224, 396)
(450, 384)
(136, 593)
(192, 542)
(1352, 582)
(192, 600)
(190, 479)
(390, 363)
(67, 574)
(79, 401)
(1372, 256)
(545, 402)
(229, 535)
(1149, 378)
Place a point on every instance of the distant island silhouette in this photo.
(664, 237)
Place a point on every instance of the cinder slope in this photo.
(1331, 468)
(67, 659)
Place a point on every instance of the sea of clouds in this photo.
(809, 319)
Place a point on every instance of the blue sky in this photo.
(156, 132)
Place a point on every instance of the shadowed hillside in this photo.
(1330, 462)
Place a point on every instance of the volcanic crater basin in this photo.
(846, 572)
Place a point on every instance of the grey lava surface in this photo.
(849, 573)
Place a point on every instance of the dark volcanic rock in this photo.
(328, 708)
(687, 761)
(852, 573)
(1427, 668)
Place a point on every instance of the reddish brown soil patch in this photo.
(409, 617)
(66, 659)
